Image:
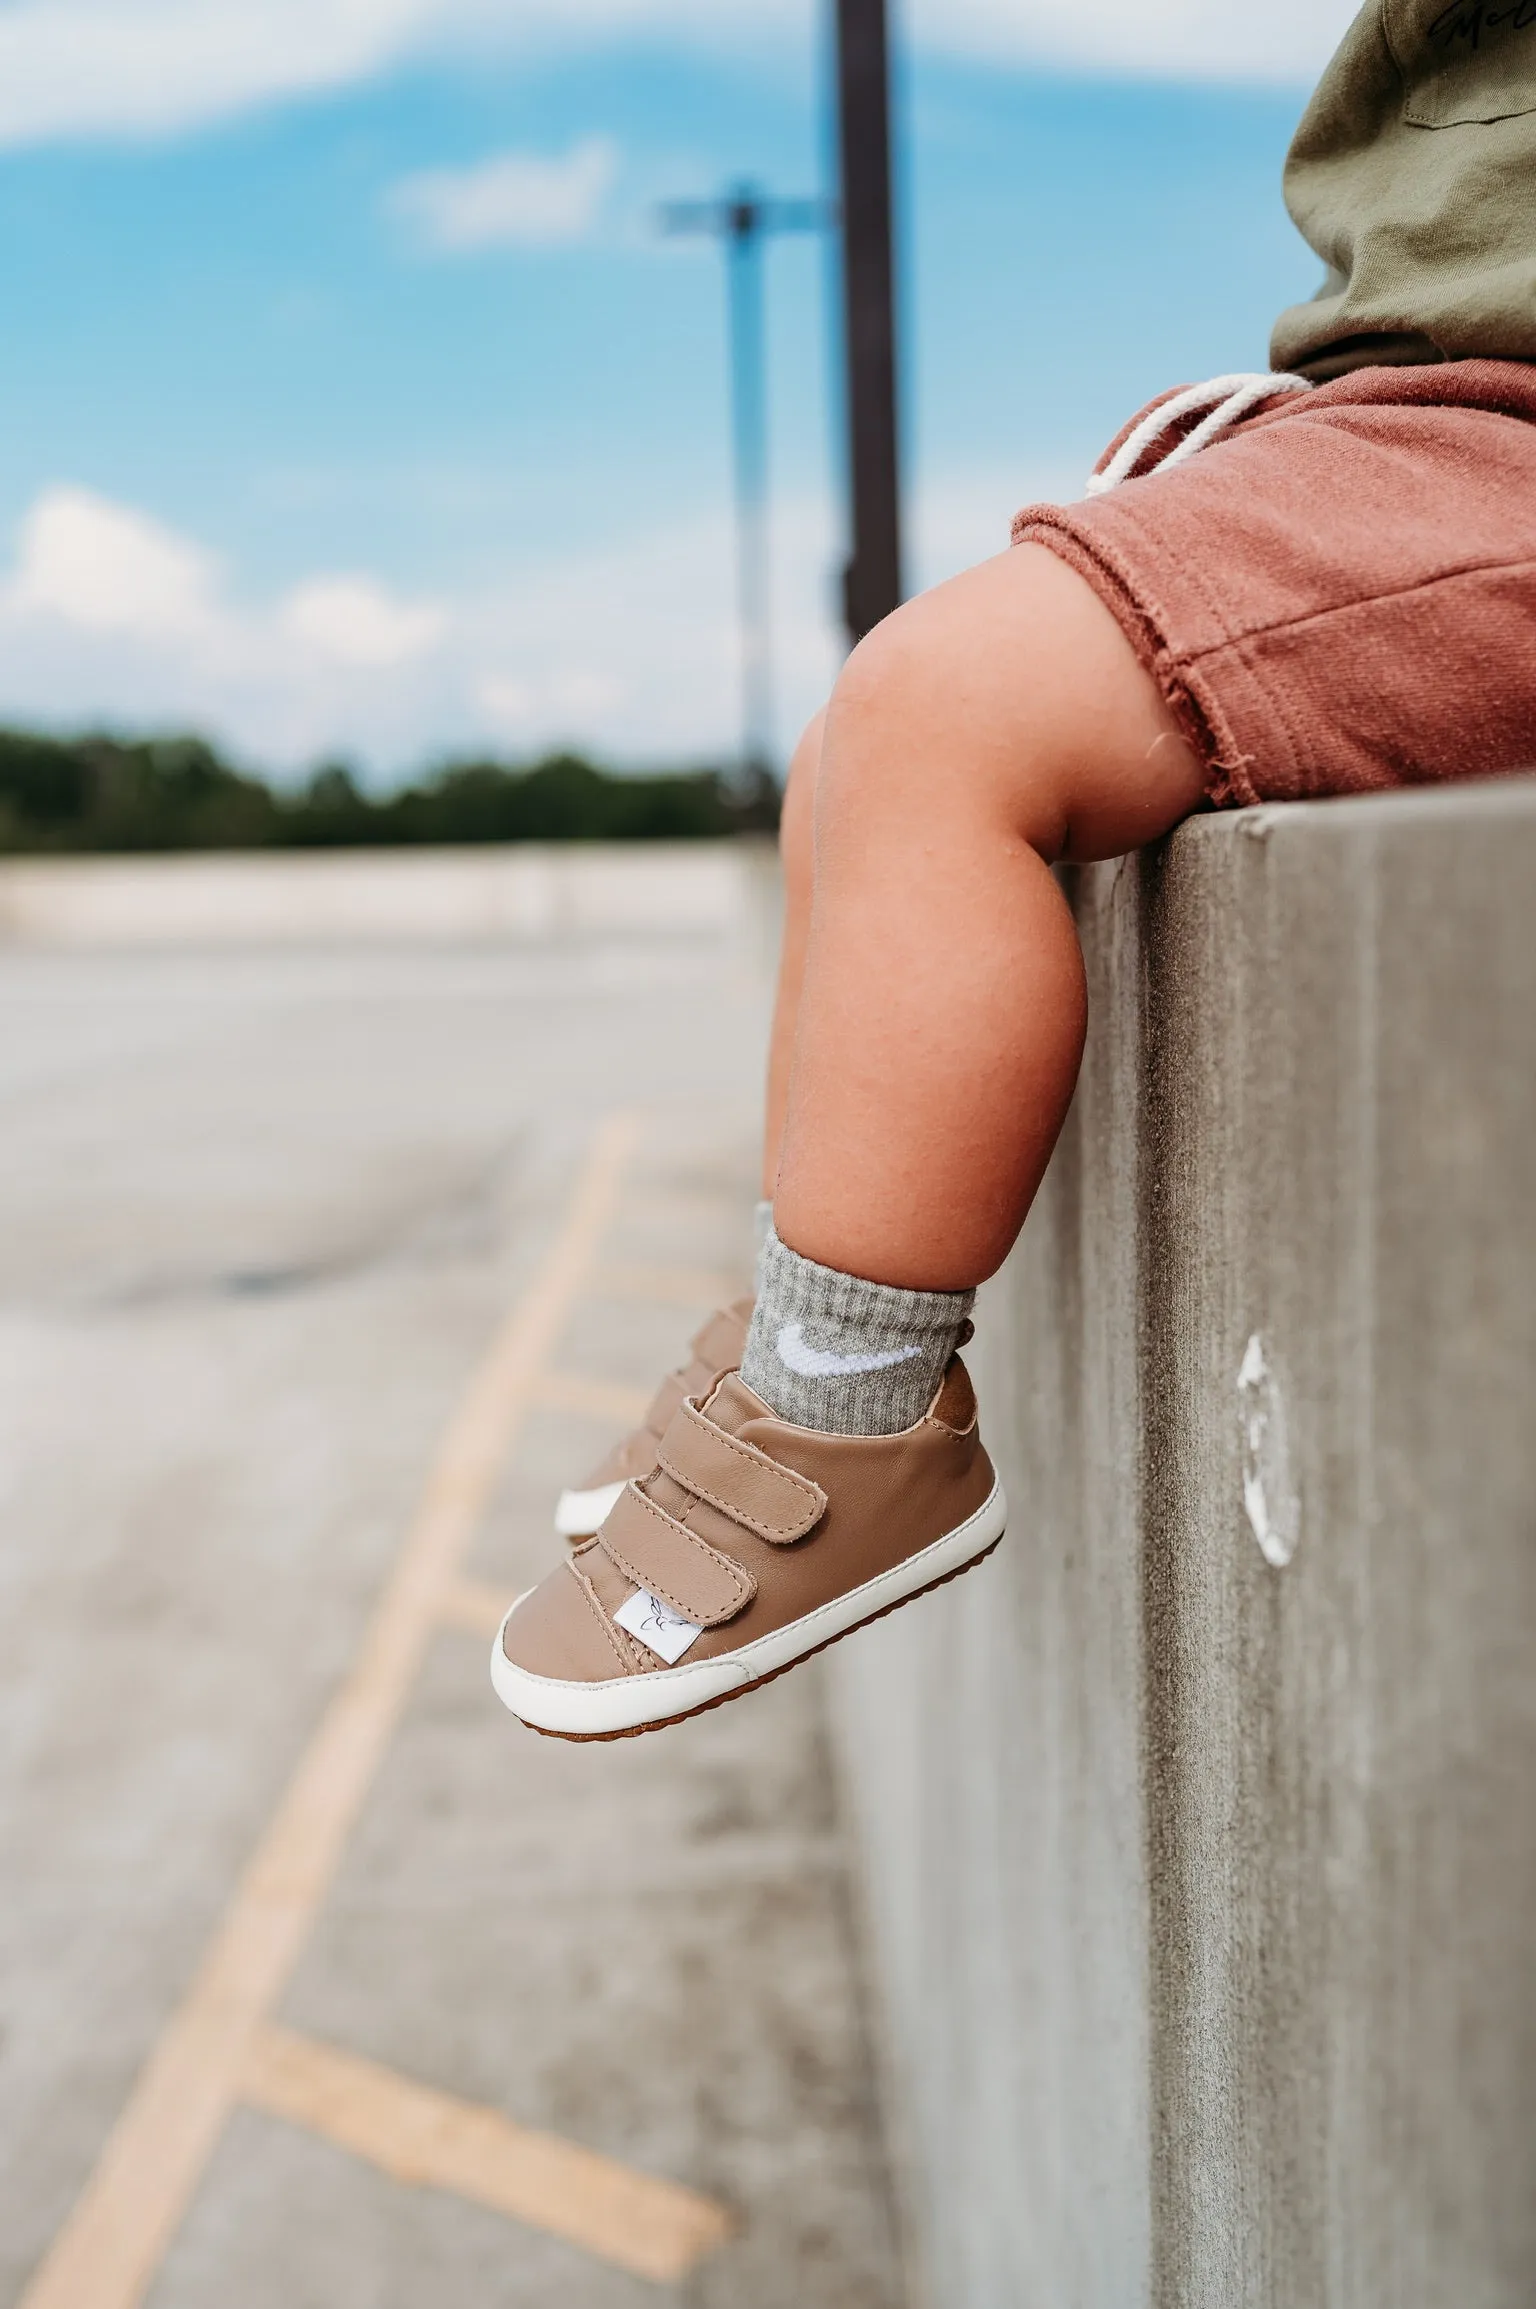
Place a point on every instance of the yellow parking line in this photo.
(114, 2240)
(607, 1399)
(417, 2135)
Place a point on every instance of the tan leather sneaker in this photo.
(749, 1545)
(717, 1347)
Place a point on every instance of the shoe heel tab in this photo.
(954, 1406)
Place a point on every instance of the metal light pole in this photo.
(872, 582)
(739, 222)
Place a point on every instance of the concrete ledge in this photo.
(519, 891)
(1200, 1849)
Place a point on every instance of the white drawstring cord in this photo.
(1228, 400)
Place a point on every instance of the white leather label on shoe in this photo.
(660, 1628)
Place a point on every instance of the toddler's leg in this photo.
(717, 1346)
(989, 728)
(992, 726)
(795, 852)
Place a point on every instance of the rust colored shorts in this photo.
(1340, 594)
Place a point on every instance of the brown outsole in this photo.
(634, 1731)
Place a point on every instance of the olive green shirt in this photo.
(1413, 176)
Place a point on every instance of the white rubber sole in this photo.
(598, 1711)
(579, 1513)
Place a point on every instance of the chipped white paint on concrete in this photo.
(1268, 1492)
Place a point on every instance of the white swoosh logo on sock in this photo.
(817, 1363)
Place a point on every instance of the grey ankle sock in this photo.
(848, 1357)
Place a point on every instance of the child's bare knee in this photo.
(926, 707)
(893, 711)
(1012, 692)
(891, 672)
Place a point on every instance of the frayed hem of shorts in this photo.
(1227, 769)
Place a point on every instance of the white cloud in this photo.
(82, 67)
(108, 569)
(144, 67)
(94, 67)
(1184, 39)
(515, 199)
(354, 621)
(109, 617)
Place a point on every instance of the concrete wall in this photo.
(1198, 1827)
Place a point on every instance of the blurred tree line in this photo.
(104, 793)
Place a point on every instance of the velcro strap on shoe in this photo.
(662, 1555)
(775, 1502)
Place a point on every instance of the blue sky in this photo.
(375, 418)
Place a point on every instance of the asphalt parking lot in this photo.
(321, 1982)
